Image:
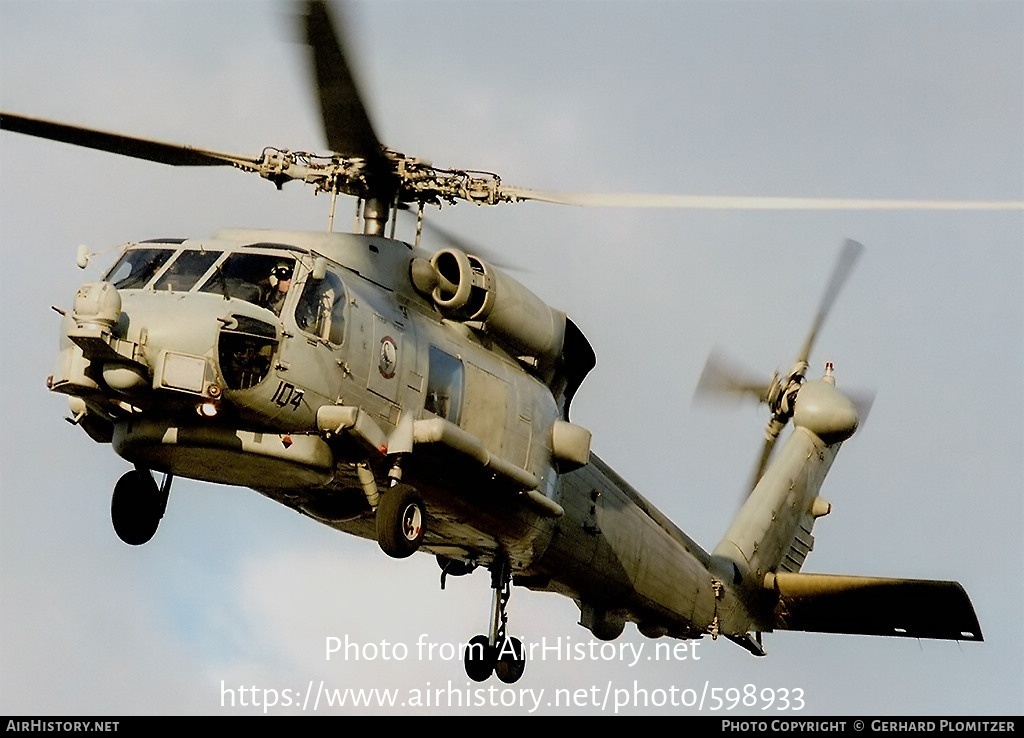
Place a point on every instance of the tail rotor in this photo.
(724, 379)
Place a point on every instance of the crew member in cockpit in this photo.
(280, 282)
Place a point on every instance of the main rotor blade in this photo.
(347, 125)
(451, 238)
(729, 202)
(116, 143)
(844, 265)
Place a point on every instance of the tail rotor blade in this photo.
(862, 401)
(851, 251)
(762, 460)
(722, 378)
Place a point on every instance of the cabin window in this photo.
(186, 270)
(136, 267)
(444, 385)
(321, 309)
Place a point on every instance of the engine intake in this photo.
(466, 288)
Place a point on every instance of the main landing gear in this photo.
(497, 653)
(137, 505)
(400, 521)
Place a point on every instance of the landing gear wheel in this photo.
(507, 658)
(511, 661)
(136, 507)
(480, 659)
(400, 518)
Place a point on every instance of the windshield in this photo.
(136, 267)
(186, 270)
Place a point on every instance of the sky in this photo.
(236, 599)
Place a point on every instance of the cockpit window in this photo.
(186, 270)
(262, 279)
(321, 308)
(136, 267)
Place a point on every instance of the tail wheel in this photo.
(400, 521)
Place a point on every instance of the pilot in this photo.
(280, 282)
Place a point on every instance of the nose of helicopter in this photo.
(126, 345)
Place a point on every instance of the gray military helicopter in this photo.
(423, 400)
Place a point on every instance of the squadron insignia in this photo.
(388, 361)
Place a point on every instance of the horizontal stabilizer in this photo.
(912, 608)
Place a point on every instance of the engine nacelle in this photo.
(466, 288)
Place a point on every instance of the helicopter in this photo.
(290, 408)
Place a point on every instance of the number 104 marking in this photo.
(287, 394)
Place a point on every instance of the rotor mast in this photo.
(375, 216)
